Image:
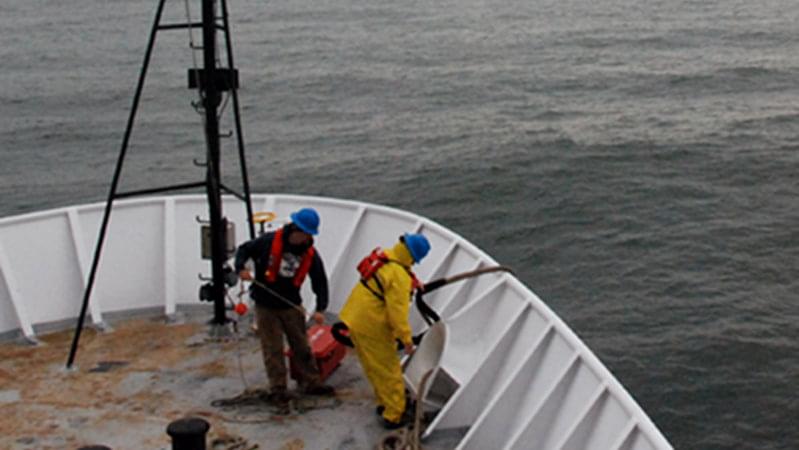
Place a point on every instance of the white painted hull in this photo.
(519, 377)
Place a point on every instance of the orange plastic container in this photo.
(327, 351)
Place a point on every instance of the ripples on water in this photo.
(635, 163)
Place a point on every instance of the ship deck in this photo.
(504, 366)
(130, 382)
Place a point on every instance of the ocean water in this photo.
(636, 163)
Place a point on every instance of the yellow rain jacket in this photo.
(375, 325)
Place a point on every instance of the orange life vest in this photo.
(276, 255)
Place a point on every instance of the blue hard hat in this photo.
(306, 220)
(417, 244)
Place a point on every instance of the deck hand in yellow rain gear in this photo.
(376, 314)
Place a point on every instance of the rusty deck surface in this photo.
(131, 382)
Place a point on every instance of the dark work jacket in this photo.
(259, 250)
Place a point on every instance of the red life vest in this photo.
(276, 255)
(369, 266)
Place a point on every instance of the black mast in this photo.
(211, 100)
(211, 81)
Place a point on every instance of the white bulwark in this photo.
(507, 372)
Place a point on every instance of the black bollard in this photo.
(188, 433)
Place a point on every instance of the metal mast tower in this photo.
(212, 82)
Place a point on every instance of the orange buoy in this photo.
(241, 309)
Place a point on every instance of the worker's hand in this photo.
(245, 275)
(318, 317)
(409, 349)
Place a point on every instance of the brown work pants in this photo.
(273, 324)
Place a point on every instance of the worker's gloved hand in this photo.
(409, 349)
(318, 317)
(245, 275)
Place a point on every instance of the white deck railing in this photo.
(519, 377)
